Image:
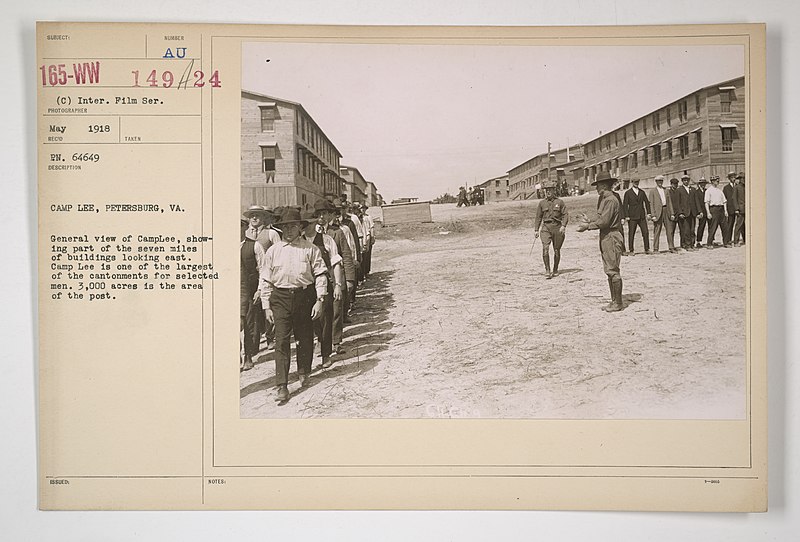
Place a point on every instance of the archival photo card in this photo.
(477, 267)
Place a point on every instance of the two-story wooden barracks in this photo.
(287, 159)
(701, 134)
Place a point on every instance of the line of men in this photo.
(684, 205)
(299, 276)
(690, 208)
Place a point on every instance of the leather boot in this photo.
(546, 259)
(556, 260)
(611, 291)
(616, 297)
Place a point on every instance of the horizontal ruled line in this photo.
(118, 115)
(123, 143)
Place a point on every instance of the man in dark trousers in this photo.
(680, 204)
(698, 202)
(327, 214)
(552, 217)
(729, 191)
(662, 214)
(739, 205)
(293, 287)
(691, 215)
(636, 212)
(608, 220)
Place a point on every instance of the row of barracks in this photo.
(288, 160)
(702, 134)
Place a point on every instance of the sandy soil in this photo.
(463, 324)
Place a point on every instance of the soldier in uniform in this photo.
(608, 220)
(552, 216)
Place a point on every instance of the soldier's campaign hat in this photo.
(290, 216)
(604, 177)
(659, 178)
(324, 205)
(702, 180)
(257, 210)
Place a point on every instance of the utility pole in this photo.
(548, 163)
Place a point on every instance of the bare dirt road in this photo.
(458, 321)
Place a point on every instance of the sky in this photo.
(422, 120)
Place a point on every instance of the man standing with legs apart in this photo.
(716, 208)
(636, 211)
(608, 220)
(739, 205)
(293, 289)
(662, 214)
(552, 216)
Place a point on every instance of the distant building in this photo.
(496, 189)
(286, 158)
(530, 178)
(355, 185)
(371, 195)
(404, 200)
(701, 133)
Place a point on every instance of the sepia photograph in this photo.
(493, 231)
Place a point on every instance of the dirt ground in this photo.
(457, 320)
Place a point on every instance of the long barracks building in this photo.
(530, 178)
(701, 133)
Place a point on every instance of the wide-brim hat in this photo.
(604, 177)
(291, 216)
(258, 210)
(324, 205)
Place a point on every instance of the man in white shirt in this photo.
(293, 286)
(715, 202)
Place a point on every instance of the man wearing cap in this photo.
(739, 205)
(608, 220)
(680, 204)
(698, 202)
(323, 326)
(636, 211)
(552, 217)
(662, 214)
(716, 209)
(730, 208)
(293, 289)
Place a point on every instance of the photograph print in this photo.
(493, 231)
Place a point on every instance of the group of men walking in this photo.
(299, 275)
(689, 208)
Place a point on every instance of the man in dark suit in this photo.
(730, 199)
(691, 213)
(698, 202)
(680, 204)
(739, 205)
(636, 211)
(662, 214)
